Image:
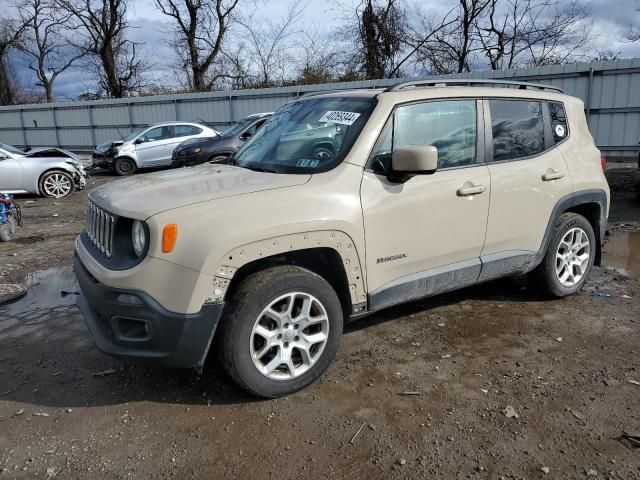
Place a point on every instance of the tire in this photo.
(322, 153)
(240, 345)
(5, 232)
(124, 166)
(548, 276)
(56, 184)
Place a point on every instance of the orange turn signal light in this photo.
(169, 237)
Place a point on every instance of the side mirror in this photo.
(139, 140)
(415, 160)
(245, 136)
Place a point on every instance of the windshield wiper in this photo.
(259, 169)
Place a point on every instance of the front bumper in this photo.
(101, 160)
(188, 160)
(146, 330)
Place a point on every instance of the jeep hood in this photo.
(142, 196)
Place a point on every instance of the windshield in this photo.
(235, 129)
(11, 149)
(307, 136)
(134, 134)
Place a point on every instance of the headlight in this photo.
(192, 151)
(138, 237)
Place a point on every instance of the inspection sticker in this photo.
(344, 118)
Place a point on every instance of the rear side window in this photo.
(450, 126)
(559, 125)
(185, 130)
(518, 129)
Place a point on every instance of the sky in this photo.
(611, 21)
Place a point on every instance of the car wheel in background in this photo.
(56, 184)
(569, 258)
(124, 166)
(218, 158)
(281, 331)
(322, 153)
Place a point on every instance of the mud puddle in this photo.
(50, 288)
(622, 252)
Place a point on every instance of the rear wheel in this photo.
(569, 258)
(124, 166)
(56, 184)
(282, 330)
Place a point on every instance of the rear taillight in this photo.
(603, 162)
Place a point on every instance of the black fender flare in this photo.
(582, 197)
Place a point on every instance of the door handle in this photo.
(473, 190)
(552, 174)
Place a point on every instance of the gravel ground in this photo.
(490, 382)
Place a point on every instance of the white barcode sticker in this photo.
(343, 118)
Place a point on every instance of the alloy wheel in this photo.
(572, 257)
(57, 185)
(289, 336)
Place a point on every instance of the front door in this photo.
(528, 177)
(425, 236)
(153, 149)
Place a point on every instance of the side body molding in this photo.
(245, 254)
(489, 267)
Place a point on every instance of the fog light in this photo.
(129, 299)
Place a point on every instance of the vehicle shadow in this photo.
(47, 358)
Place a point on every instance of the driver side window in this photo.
(450, 126)
(158, 133)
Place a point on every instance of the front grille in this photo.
(100, 229)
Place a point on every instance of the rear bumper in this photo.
(144, 330)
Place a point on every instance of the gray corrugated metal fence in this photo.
(610, 90)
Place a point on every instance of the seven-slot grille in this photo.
(100, 228)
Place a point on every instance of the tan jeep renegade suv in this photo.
(343, 204)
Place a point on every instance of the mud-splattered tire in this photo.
(281, 330)
(569, 257)
(124, 166)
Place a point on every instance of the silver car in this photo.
(50, 172)
(148, 147)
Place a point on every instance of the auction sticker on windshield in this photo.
(343, 118)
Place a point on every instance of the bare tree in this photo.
(102, 26)
(47, 43)
(634, 31)
(11, 33)
(455, 45)
(200, 30)
(533, 32)
(271, 42)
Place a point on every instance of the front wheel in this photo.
(569, 258)
(281, 332)
(56, 184)
(124, 166)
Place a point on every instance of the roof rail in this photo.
(473, 82)
(338, 90)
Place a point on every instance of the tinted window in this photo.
(185, 130)
(559, 125)
(518, 129)
(448, 126)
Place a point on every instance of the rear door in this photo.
(180, 134)
(528, 177)
(425, 235)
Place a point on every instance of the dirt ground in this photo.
(492, 382)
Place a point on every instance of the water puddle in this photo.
(622, 252)
(49, 288)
